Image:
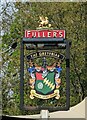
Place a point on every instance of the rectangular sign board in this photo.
(44, 34)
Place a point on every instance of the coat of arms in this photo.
(44, 80)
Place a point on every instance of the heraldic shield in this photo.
(45, 84)
(44, 81)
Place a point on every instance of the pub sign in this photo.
(45, 80)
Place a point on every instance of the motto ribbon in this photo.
(34, 94)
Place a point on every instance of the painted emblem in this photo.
(44, 80)
(44, 22)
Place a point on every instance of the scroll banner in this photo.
(34, 94)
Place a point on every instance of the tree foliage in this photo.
(68, 16)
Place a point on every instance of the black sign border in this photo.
(42, 41)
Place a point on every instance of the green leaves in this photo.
(68, 16)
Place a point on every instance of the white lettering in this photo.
(33, 34)
(38, 34)
(60, 34)
(54, 34)
(49, 34)
(43, 34)
(28, 33)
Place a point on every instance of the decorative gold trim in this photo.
(34, 94)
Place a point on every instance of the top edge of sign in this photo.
(45, 30)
